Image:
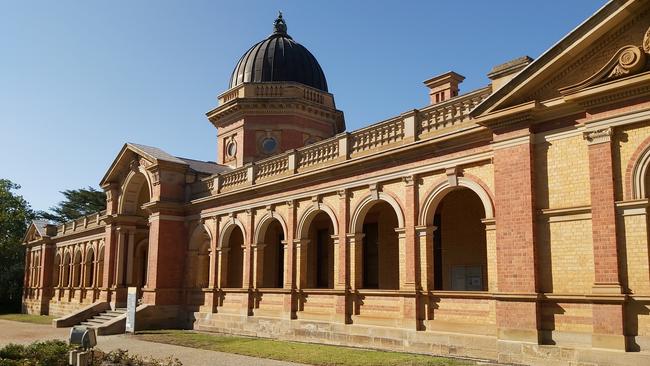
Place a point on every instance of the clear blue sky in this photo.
(80, 78)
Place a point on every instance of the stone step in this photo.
(103, 317)
(114, 312)
(90, 323)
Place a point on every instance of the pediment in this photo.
(37, 230)
(32, 234)
(610, 45)
(128, 159)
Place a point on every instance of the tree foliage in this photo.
(77, 203)
(15, 216)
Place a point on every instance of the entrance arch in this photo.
(461, 240)
(269, 251)
(198, 258)
(231, 246)
(377, 224)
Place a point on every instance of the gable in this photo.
(32, 234)
(579, 56)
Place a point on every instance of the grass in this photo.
(27, 318)
(313, 354)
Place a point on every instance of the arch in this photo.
(638, 172)
(198, 257)
(67, 263)
(99, 282)
(309, 215)
(130, 191)
(439, 192)
(227, 230)
(356, 224)
(56, 270)
(264, 223)
(76, 268)
(89, 267)
(199, 230)
(141, 263)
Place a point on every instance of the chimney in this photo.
(503, 73)
(444, 87)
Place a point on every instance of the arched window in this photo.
(234, 243)
(56, 268)
(89, 268)
(320, 253)
(459, 243)
(273, 257)
(76, 269)
(100, 268)
(380, 261)
(67, 264)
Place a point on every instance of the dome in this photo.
(279, 58)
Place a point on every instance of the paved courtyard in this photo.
(17, 332)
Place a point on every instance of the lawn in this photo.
(313, 354)
(27, 318)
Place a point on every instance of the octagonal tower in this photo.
(278, 100)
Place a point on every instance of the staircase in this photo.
(103, 317)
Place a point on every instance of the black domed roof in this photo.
(279, 58)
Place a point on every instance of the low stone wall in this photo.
(405, 340)
(81, 315)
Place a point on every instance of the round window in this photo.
(231, 148)
(269, 145)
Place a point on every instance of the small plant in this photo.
(121, 357)
(47, 353)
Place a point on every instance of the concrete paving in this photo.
(24, 333)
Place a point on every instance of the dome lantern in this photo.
(279, 58)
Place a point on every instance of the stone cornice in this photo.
(611, 92)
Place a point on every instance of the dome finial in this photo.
(279, 26)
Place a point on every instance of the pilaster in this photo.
(608, 319)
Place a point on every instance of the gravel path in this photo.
(17, 332)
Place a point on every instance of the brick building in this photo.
(508, 223)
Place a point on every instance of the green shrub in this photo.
(47, 353)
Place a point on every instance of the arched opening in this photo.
(89, 268)
(76, 269)
(100, 268)
(56, 269)
(37, 272)
(198, 259)
(320, 253)
(66, 270)
(273, 258)
(235, 253)
(135, 194)
(380, 252)
(459, 243)
(140, 264)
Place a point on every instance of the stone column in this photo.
(341, 249)
(119, 257)
(608, 317)
(302, 247)
(355, 242)
(222, 279)
(258, 264)
(110, 257)
(516, 307)
(130, 256)
(214, 255)
(491, 249)
(408, 280)
(290, 300)
(425, 247)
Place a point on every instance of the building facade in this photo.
(507, 223)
